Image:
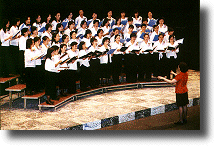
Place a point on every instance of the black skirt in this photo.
(182, 99)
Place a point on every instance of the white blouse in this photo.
(104, 58)
(83, 62)
(71, 54)
(4, 36)
(14, 30)
(22, 43)
(116, 46)
(28, 56)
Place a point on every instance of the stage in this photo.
(101, 110)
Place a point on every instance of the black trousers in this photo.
(40, 79)
(85, 78)
(116, 67)
(21, 71)
(31, 79)
(6, 61)
(63, 79)
(131, 68)
(50, 84)
(72, 76)
(95, 71)
(141, 67)
(14, 50)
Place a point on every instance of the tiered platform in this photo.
(64, 100)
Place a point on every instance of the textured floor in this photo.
(95, 108)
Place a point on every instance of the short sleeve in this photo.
(178, 77)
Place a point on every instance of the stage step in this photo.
(73, 97)
(7, 82)
(37, 96)
(16, 88)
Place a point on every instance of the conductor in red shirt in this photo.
(181, 91)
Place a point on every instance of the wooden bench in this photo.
(5, 83)
(33, 97)
(16, 88)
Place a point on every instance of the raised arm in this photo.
(167, 80)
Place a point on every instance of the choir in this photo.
(59, 53)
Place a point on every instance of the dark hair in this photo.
(4, 25)
(73, 43)
(105, 39)
(130, 19)
(44, 38)
(47, 26)
(63, 37)
(53, 37)
(69, 23)
(88, 31)
(81, 44)
(115, 29)
(131, 26)
(61, 46)
(36, 39)
(143, 25)
(105, 21)
(170, 29)
(155, 26)
(72, 33)
(58, 26)
(117, 20)
(161, 34)
(144, 19)
(145, 34)
(14, 21)
(55, 47)
(171, 36)
(33, 28)
(99, 30)
(96, 21)
(133, 35)
(183, 67)
(83, 21)
(29, 42)
(93, 39)
(24, 30)
(37, 17)
(50, 50)
(116, 36)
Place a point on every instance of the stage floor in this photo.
(96, 107)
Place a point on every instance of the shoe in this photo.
(49, 102)
(179, 123)
(185, 121)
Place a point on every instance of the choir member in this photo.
(6, 37)
(127, 35)
(130, 22)
(95, 28)
(87, 38)
(168, 33)
(51, 70)
(85, 71)
(94, 17)
(99, 37)
(154, 33)
(106, 27)
(137, 19)
(34, 32)
(71, 27)
(81, 31)
(38, 24)
(55, 22)
(116, 59)
(55, 39)
(73, 37)
(72, 68)
(162, 27)
(79, 19)
(105, 61)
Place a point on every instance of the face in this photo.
(37, 43)
(74, 47)
(131, 30)
(60, 28)
(49, 17)
(63, 49)
(143, 28)
(145, 22)
(35, 32)
(95, 43)
(74, 35)
(161, 21)
(171, 39)
(72, 26)
(94, 15)
(84, 46)
(156, 28)
(171, 32)
(70, 15)
(28, 20)
(118, 21)
(146, 37)
(84, 25)
(123, 14)
(117, 39)
(81, 12)
(106, 42)
(116, 32)
(101, 33)
(110, 13)
(50, 29)
(160, 38)
(133, 39)
(8, 24)
(57, 37)
(66, 39)
(107, 23)
(57, 16)
(150, 14)
(96, 24)
(136, 14)
(18, 23)
(38, 19)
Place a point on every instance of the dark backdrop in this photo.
(182, 15)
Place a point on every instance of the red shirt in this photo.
(181, 84)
